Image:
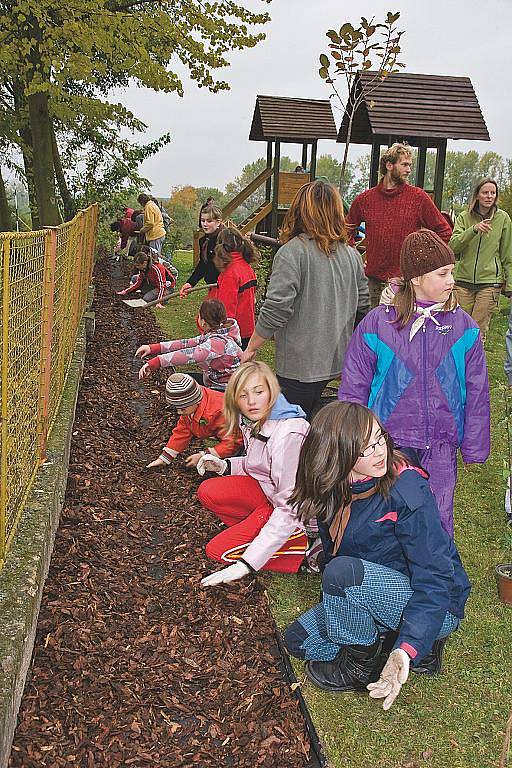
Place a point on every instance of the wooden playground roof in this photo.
(417, 106)
(292, 120)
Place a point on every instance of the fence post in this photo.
(6, 250)
(50, 252)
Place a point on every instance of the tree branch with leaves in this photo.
(372, 47)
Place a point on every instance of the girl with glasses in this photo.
(393, 585)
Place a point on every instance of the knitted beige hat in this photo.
(182, 390)
(422, 252)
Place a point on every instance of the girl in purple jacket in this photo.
(418, 362)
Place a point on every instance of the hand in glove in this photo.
(211, 463)
(392, 677)
(231, 573)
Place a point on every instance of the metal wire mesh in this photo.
(44, 277)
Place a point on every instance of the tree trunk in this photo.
(42, 159)
(6, 224)
(26, 150)
(67, 199)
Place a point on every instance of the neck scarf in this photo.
(424, 313)
(342, 516)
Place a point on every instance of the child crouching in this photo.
(201, 416)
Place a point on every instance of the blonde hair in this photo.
(235, 386)
(474, 197)
(316, 211)
(393, 155)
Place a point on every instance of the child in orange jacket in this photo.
(201, 416)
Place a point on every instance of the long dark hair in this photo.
(338, 435)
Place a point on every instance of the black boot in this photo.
(352, 670)
(431, 663)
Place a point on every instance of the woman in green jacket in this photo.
(482, 243)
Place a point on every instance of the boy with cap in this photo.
(418, 362)
(201, 416)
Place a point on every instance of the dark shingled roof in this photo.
(407, 105)
(292, 120)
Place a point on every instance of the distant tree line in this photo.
(462, 171)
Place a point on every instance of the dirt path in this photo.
(134, 665)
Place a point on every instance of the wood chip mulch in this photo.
(134, 664)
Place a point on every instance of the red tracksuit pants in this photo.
(241, 504)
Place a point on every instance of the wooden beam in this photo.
(268, 185)
(439, 175)
(304, 161)
(421, 162)
(275, 189)
(374, 163)
(312, 167)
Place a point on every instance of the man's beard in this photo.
(396, 177)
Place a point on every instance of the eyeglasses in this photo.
(370, 449)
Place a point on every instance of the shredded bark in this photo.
(134, 664)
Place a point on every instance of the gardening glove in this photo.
(231, 573)
(143, 351)
(211, 463)
(392, 677)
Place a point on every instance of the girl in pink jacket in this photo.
(251, 497)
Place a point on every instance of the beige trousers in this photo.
(375, 288)
(480, 304)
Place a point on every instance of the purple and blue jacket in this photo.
(432, 389)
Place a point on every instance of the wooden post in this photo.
(312, 167)
(46, 339)
(421, 162)
(374, 163)
(439, 174)
(275, 190)
(4, 382)
(304, 161)
(268, 185)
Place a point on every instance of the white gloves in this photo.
(231, 573)
(392, 677)
(211, 463)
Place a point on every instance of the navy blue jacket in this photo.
(404, 532)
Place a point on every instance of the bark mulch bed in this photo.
(134, 664)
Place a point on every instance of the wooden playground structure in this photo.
(423, 111)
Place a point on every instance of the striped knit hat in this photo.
(182, 390)
(423, 252)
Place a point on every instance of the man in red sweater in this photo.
(391, 211)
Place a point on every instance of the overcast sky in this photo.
(210, 132)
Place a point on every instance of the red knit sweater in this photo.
(390, 215)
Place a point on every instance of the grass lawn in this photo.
(456, 720)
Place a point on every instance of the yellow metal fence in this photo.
(44, 279)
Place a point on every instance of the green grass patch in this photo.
(456, 720)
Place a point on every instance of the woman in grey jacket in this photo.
(316, 290)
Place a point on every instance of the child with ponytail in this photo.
(418, 362)
(236, 283)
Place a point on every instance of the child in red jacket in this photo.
(201, 416)
(154, 280)
(237, 279)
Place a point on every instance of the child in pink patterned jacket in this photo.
(216, 351)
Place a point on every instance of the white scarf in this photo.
(424, 313)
